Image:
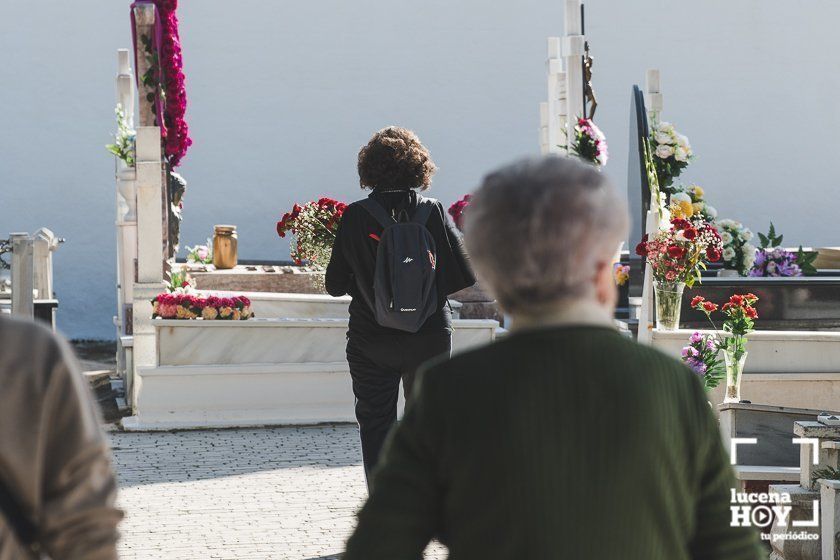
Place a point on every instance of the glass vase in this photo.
(668, 304)
(734, 360)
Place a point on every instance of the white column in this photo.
(544, 145)
(44, 243)
(150, 246)
(126, 204)
(573, 49)
(653, 96)
(555, 108)
(23, 304)
(647, 311)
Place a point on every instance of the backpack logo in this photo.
(407, 260)
(432, 259)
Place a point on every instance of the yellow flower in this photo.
(697, 207)
(698, 192)
(682, 209)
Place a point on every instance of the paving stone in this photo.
(272, 493)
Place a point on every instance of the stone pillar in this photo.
(150, 246)
(126, 204)
(555, 109)
(830, 518)
(44, 243)
(653, 96)
(647, 313)
(573, 50)
(23, 304)
(144, 22)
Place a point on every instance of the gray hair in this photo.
(537, 230)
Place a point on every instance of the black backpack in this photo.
(404, 288)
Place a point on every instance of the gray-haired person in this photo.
(57, 488)
(564, 439)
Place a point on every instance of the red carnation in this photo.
(737, 300)
(690, 233)
(751, 312)
(709, 307)
(713, 254)
(697, 300)
(676, 252)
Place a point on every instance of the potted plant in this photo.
(677, 256)
(314, 226)
(739, 321)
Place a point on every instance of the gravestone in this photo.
(638, 188)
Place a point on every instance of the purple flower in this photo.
(696, 338)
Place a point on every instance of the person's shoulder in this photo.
(29, 348)
(469, 364)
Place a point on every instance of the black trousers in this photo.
(377, 363)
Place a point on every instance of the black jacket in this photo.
(353, 261)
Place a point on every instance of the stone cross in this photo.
(558, 116)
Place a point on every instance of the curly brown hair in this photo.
(394, 158)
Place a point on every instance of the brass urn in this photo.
(224, 247)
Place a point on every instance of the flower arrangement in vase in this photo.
(457, 211)
(701, 355)
(124, 140)
(314, 226)
(738, 253)
(677, 256)
(211, 308)
(671, 153)
(589, 143)
(739, 321)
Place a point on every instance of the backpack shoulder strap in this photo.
(425, 207)
(377, 211)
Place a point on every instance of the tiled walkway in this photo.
(274, 493)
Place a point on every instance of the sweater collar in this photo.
(583, 313)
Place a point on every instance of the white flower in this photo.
(665, 127)
(746, 234)
(726, 237)
(727, 223)
(663, 138)
(680, 197)
(682, 141)
(728, 253)
(711, 212)
(663, 151)
(680, 154)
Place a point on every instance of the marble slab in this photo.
(773, 351)
(267, 341)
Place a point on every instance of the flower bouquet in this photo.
(701, 355)
(589, 143)
(772, 260)
(314, 226)
(671, 153)
(690, 201)
(739, 321)
(738, 253)
(677, 257)
(124, 140)
(188, 306)
(457, 211)
(621, 273)
(200, 254)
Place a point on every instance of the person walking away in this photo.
(399, 258)
(564, 439)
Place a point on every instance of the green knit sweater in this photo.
(565, 442)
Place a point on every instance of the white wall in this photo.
(282, 94)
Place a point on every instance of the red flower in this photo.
(641, 248)
(690, 233)
(737, 300)
(751, 312)
(713, 254)
(709, 307)
(680, 224)
(676, 252)
(697, 300)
